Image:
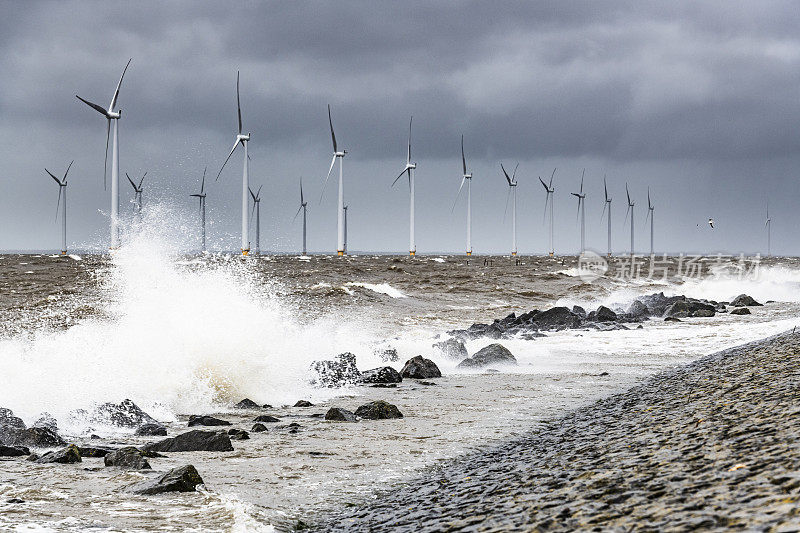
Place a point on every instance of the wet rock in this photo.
(247, 403)
(238, 434)
(494, 354)
(15, 500)
(266, 418)
(384, 385)
(678, 309)
(151, 430)
(124, 414)
(193, 441)
(205, 420)
(740, 311)
(68, 455)
(384, 374)
(604, 314)
(258, 427)
(557, 318)
(672, 319)
(378, 410)
(337, 414)
(427, 383)
(420, 368)
(389, 355)
(91, 451)
(578, 310)
(744, 300)
(267, 406)
(704, 313)
(37, 438)
(33, 457)
(337, 373)
(46, 420)
(452, 348)
(10, 426)
(181, 479)
(127, 457)
(13, 451)
(657, 303)
(638, 309)
(303, 403)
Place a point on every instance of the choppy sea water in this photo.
(182, 334)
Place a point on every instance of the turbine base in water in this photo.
(551, 254)
(63, 252)
(412, 253)
(340, 253)
(246, 252)
(513, 254)
(469, 253)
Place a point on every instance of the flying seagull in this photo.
(711, 222)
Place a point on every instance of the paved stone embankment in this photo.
(712, 445)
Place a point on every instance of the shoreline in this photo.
(705, 445)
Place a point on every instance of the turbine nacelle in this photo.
(240, 137)
(467, 176)
(410, 166)
(340, 154)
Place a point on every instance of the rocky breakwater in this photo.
(712, 445)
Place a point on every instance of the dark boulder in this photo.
(151, 430)
(744, 300)
(10, 425)
(68, 455)
(420, 368)
(578, 310)
(637, 309)
(337, 373)
(604, 314)
(238, 434)
(303, 403)
(452, 348)
(678, 309)
(127, 457)
(37, 438)
(494, 354)
(247, 403)
(672, 319)
(704, 313)
(384, 374)
(124, 414)
(258, 427)
(205, 420)
(337, 414)
(91, 451)
(13, 451)
(181, 479)
(557, 318)
(378, 410)
(266, 418)
(193, 441)
(46, 420)
(740, 311)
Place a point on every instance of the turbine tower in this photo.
(650, 213)
(412, 247)
(608, 205)
(110, 115)
(340, 242)
(303, 206)
(468, 178)
(243, 139)
(344, 210)
(512, 191)
(137, 193)
(768, 225)
(257, 208)
(549, 198)
(630, 210)
(62, 190)
(581, 196)
(202, 198)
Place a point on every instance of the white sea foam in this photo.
(380, 288)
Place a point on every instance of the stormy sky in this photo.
(700, 102)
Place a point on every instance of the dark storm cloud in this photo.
(657, 87)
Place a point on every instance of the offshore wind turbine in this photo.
(62, 191)
(257, 209)
(344, 209)
(629, 210)
(110, 115)
(340, 247)
(412, 247)
(202, 198)
(608, 205)
(303, 206)
(243, 139)
(581, 196)
(512, 191)
(768, 225)
(650, 213)
(468, 178)
(549, 198)
(137, 193)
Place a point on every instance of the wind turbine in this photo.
(340, 243)
(303, 206)
(62, 190)
(607, 204)
(110, 115)
(344, 209)
(202, 198)
(412, 248)
(768, 225)
(257, 208)
(512, 191)
(468, 178)
(549, 198)
(581, 196)
(137, 193)
(629, 210)
(650, 213)
(243, 139)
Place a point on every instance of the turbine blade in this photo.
(649, 205)
(333, 136)
(508, 197)
(546, 199)
(203, 183)
(605, 187)
(141, 181)
(551, 178)
(627, 194)
(96, 107)
(238, 104)
(235, 144)
(333, 162)
(58, 204)
(253, 196)
(506, 174)
(51, 175)
(301, 192)
(626, 214)
(258, 192)
(116, 93)
(459, 193)
(605, 204)
(646, 218)
(70, 166)
(131, 181)
(463, 159)
(298, 212)
(514, 175)
(409, 140)
(582, 176)
(105, 162)
(544, 184)
(400, 176)
(578, 214)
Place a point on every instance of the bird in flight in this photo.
(711, 222)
